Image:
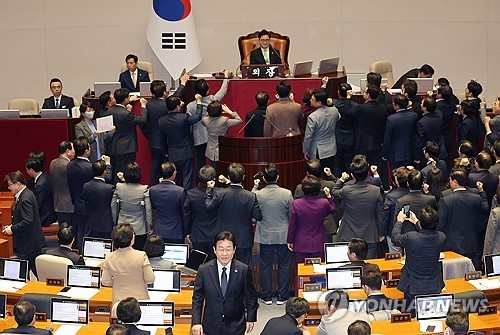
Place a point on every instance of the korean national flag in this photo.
(172, 35)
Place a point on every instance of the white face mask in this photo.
(89, 115)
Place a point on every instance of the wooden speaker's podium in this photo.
(255, 152)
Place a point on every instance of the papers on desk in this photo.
(68, 330)
(93, 261)
(158, 296)
(486, 284)
(431, 326)
(321, 268)
(84, 293)
(11, 286)
(312, 296)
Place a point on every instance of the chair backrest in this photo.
(384, 314)
(41, 301)
(25, 106)
(251, 41)
(385, 69)
(143, 65)
(471, 300)
(49, 266)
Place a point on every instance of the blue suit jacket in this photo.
(97, 196)
(399, 136)
(79, 172)
(168, 200)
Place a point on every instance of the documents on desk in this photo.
(68, 330)
(93, 261)
(486, 284)
(158, 296)
(313, 296)
(321, 268)
(84, 293)
(11, 286)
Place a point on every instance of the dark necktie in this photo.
(57, 104)
(223, 281)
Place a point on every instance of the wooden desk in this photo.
(93, 328)
(389, 268)
(6, 203)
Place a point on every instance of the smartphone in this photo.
(66, 289)
(406, 210)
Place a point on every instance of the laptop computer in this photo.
(336, 252)
(492, 265)
(14, 269)
(177, 253)
(83, 276)
(54, 113)
(328, 65)
(159, 314)
(9, 114)
(302, 68)
(432, 310)
(196, 258)
(73, 311)
(101, 87)
(95, 250)
(424, 85)
(145, 88)
(344, 278)
(166, 280)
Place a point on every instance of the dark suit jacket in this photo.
(256, 56)
(413, 73)
(155, 110)
(168, 200)
(370, 126)
(467, 130)
(417, 201)
(126, 79)
(390, 206)
(378, 302)
(282, 325)
(65, 102)
(256, 127)
(490, 183)
(344, 132)
(97, 196)
(399, 136)
(136, 331)
(125, 136)
(66, 253)
(429, 128)
(44, 198)
(461, 216)
(79, 172)
(367, 267)
(27, 330)
(236, 207)
(175, 130)
(421, 273)
(237, 307)
(199, 222)
(27, 232)
(446, 108)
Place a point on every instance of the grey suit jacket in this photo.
(495, 169)
(275, 203)
(363, 211)
(492, 238)
(417, 201)
(131, 204)
(218, 126)
(319, 139)
(60, 188)
(83, 129)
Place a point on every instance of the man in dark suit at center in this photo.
(224, 298)
(236, 207)
(255, 118)
(24, 313)
(66, 237)
(58, 100)
(40, 185)
(131, 77)
(266, 54)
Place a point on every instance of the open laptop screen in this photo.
(66, 310)
(166, 280)
(344, 278)
(13, 269)
(96, 247)
(196, 258)
(156, 314)
(84, 276)
(492, 265)
(434, 306)
(336, 252)
(177, 253)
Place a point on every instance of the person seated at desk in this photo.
(266, 54)
(66, 237)
(57, 100)
(338, 318)
(118, 329)
(357, 250)
(127, 270)
(295, 313)
(426, 71)
(359, 328)
(24, 313)
(154, 249)
(131, 77)
(457, 322)
(129, 313)
(371, 282)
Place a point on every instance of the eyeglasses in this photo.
(227, 250)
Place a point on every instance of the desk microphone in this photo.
(272, 124)
(248, 54)
(278, 54)
(246, 124)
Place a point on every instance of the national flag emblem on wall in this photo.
(172, 35)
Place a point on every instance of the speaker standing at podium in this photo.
(266, 54)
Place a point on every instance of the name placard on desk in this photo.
(403, 317)
(392, 255)
(472, 275)
(54, 281)
(311, 260)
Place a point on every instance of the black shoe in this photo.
(268, 300)
(281, 301)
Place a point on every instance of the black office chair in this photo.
(41, 301)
